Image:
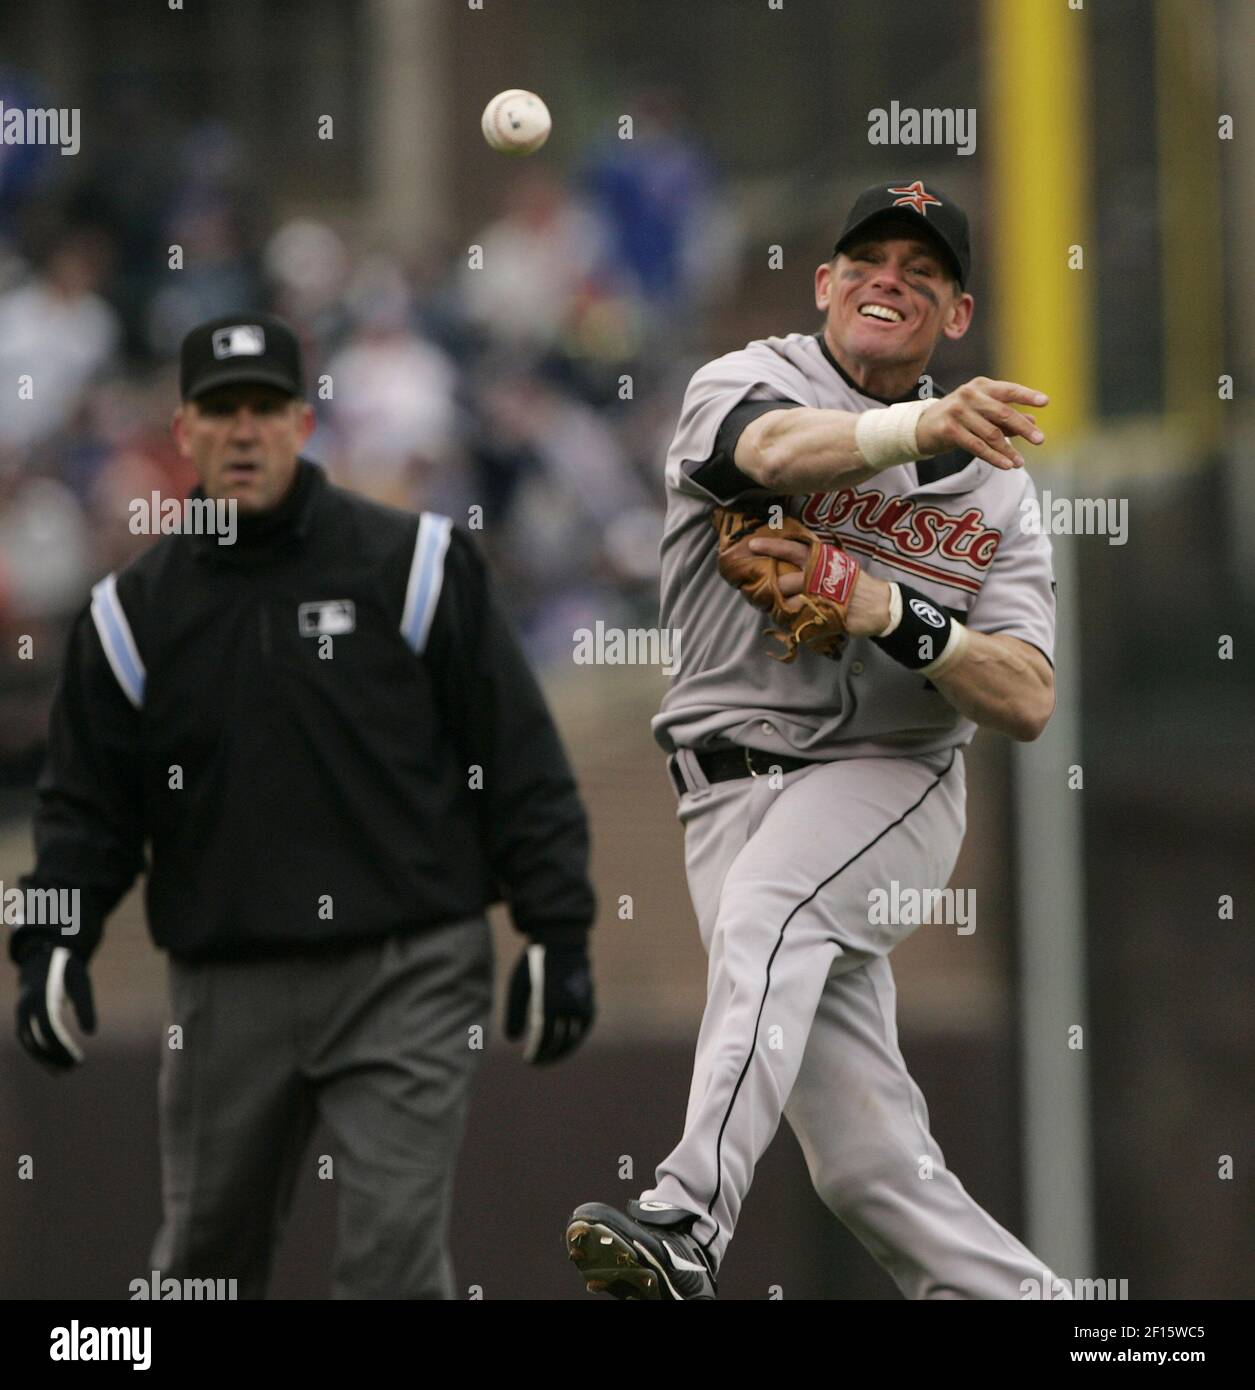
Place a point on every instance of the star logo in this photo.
(914, 196)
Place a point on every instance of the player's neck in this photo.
(888, 382)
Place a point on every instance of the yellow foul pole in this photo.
(1037, 203)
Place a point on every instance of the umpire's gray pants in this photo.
(800, 1015)
(380, 1042)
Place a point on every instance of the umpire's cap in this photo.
(240, 348)
(914, 202)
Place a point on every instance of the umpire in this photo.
(328, 740)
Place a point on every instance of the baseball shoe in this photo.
(645, 1255)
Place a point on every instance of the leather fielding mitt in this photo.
(829, 578)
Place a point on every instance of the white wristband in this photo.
(950, 653)
(895, 610)
(885, 437)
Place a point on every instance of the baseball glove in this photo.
(817, 618)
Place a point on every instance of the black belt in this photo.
(724, 764)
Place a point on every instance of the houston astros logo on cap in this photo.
(942, 221)
(914, 195)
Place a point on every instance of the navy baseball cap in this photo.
(240, 348)
(912, 201)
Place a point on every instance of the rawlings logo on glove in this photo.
(815, 617)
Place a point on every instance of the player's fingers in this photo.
(793, 551)
(991, 438)
(1014, 392)
(1012, 422)
(978, 448)
(791, 583)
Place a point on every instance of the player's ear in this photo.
(959, 319)
(823, 284)
(306, 421)
(178, 428)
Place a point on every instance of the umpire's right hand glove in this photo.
(550, 1001)
(52, 977)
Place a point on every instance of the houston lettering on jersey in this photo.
(913, 530)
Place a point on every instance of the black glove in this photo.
(550, 1000)
(50, 975)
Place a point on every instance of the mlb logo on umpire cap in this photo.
(241, 340)
(239, 349)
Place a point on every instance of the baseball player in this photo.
(814, 477)
(328, 740)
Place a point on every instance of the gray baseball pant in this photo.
(800, 1015)
(376, 1041)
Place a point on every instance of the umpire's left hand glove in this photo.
(550, 1001)
(52, 979)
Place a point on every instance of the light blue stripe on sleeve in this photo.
(115, 637)
(422, 592)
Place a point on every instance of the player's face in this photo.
(244, 442)
(888, 299)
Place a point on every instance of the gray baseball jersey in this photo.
(800, 1013)
(949, 528)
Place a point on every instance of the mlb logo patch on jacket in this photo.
(331, 617)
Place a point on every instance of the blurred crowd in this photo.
(529, 390)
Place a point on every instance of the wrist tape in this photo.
(885, 437)
(923, 638)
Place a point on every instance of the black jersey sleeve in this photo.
(718, 475)
(88, 818)
(530, 814)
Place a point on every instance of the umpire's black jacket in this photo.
(325, 733)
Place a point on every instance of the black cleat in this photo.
(645, 1255)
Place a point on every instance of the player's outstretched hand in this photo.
(52, 979)
(980, 416)
(550, 1001)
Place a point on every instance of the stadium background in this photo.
(608, 258)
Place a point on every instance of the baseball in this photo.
(516, 122)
